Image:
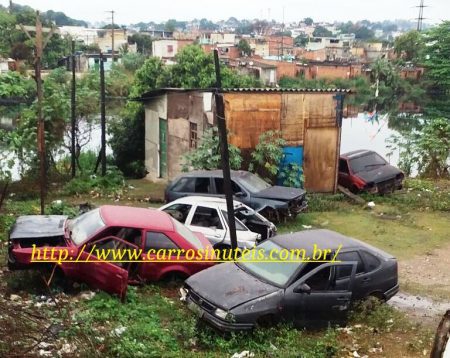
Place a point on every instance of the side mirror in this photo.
(239, 194)
(303, 288)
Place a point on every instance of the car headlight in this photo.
(226, 316)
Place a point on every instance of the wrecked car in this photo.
(273, 202)
(208, 215)
(365, 170)
(33, 239)
(309, 293)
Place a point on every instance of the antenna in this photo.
(112, 34)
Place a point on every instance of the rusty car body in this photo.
(108, 228)
(365, 170)
(309, 293)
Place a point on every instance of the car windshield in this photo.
(253, 183)
(187, 234)
(366, 162)
(84, 226)
(277, 273)
(239, 225)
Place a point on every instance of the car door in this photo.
(239, 193)
(313, 299)
(362, 281)
(97, 269)
(207, 221)
(344, 174)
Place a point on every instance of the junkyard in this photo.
(265, 185)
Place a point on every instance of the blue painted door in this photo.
(291, 155)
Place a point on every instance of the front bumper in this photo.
(214, 321)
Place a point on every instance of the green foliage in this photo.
(308, 21)
(321, 31)
(267, 155)
(361, 31)
(428, 148)
(409, 46)
(112, 182)
(207, 155)
(292, 175)
(324, 202)
(59, 207)
(143, 43)
(301, 40)
(244, 47)
(133, 61)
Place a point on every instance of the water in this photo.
(359, 133)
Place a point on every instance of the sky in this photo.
(133, 11)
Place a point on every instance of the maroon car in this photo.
(365, 170)
(78, 243)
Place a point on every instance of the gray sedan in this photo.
(239, 295)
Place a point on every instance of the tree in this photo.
(244, 47)
(207, 155)
(301, 40)
(308, 21)
(143, 43)
(321, 31)
(409, 46)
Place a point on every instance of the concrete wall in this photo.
(154, 110)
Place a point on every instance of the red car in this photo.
(84, 246)
(365, 170)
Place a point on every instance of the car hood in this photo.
(227, 286)
(38, 226)
(280, 193)
(379, 174)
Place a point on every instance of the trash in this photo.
(87, 295)
(57, 202)
(15, 297)
(307, 226)
(183, 294)
(44, 353)
(356, 354)
(119, 330)
(67, 348)
(371, 204)
(243, 354)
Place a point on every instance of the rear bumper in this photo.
(391, 292)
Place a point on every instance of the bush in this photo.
(110, 183)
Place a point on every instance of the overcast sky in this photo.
(133, 11)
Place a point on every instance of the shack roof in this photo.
(161, 91)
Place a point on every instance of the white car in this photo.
(208, 215)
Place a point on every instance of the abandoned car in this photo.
(208, 215)
(273, 202)
(106, 229)
(308, 293)
(365, 170)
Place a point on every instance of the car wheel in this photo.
(441, 346)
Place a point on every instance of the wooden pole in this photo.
(220, 116)
(40, 119)
(103, 114)
(73, 113)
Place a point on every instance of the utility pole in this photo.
(73, 112)
(103, 114)
(39, 44)
(112, 35)
(220, 116)
(282, 38)
(420, 18)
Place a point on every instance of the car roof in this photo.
(139, 218)
(356, 153)
(322, 239)
(218, 173)
(206, 201)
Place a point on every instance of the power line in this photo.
(420, 18)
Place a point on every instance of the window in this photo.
(219, 186)
(86, 225)
(184, 185)
(130, 235)
(343, 166)
(239, 225)
(179, 211)
(345, 271)
(366, 162)
(372, 262)
(202, 185)
(321, 280)
(193, 135)
(169, 48)
(158, 240)
(206, 217)
(187, 234)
